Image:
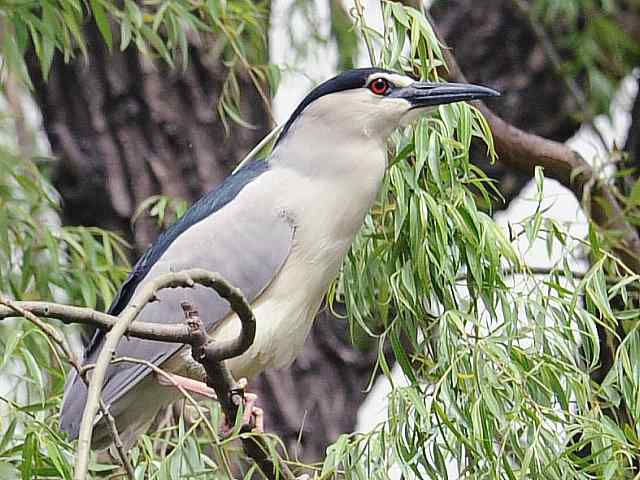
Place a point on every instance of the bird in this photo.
(277, 229)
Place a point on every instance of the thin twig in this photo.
(117, 441)
(544, 271)
(363, 28)
(14, 308)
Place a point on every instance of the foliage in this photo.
(166, 210)
(40, 259)
(496, 360)
(166, 29)
(597, 39)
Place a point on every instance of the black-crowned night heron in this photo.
(277, 229)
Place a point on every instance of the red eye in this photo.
(380, 86)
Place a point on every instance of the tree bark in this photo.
(124, 128)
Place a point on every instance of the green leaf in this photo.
(634, 196)
(102, 20)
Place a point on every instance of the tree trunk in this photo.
(124, 128)
(632, 148)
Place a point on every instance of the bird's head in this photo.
(372, 102)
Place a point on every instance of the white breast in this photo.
(327, 209)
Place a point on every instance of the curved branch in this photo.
(210, 354)
(187, 278)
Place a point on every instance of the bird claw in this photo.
(252, 416)
(240, 388)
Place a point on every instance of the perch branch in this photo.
(119, 328)
(211, 356)
(212, 352)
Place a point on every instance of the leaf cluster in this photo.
(497, 361)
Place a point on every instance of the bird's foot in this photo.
(252, 416)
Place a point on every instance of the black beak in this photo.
(424, 94)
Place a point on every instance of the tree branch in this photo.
(86, 316)
(211, 356)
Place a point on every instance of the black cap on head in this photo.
(348, 80)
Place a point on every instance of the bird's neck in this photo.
(331, 183)
(322, 150)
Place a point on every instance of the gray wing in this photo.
(247, 242)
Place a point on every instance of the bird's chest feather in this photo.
(327, 214)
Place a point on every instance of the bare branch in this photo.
(211, 356)
(187, 278)
(86, 316)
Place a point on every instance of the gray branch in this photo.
(211, 356)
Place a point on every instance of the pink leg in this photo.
(252, 415)
(190, 385)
